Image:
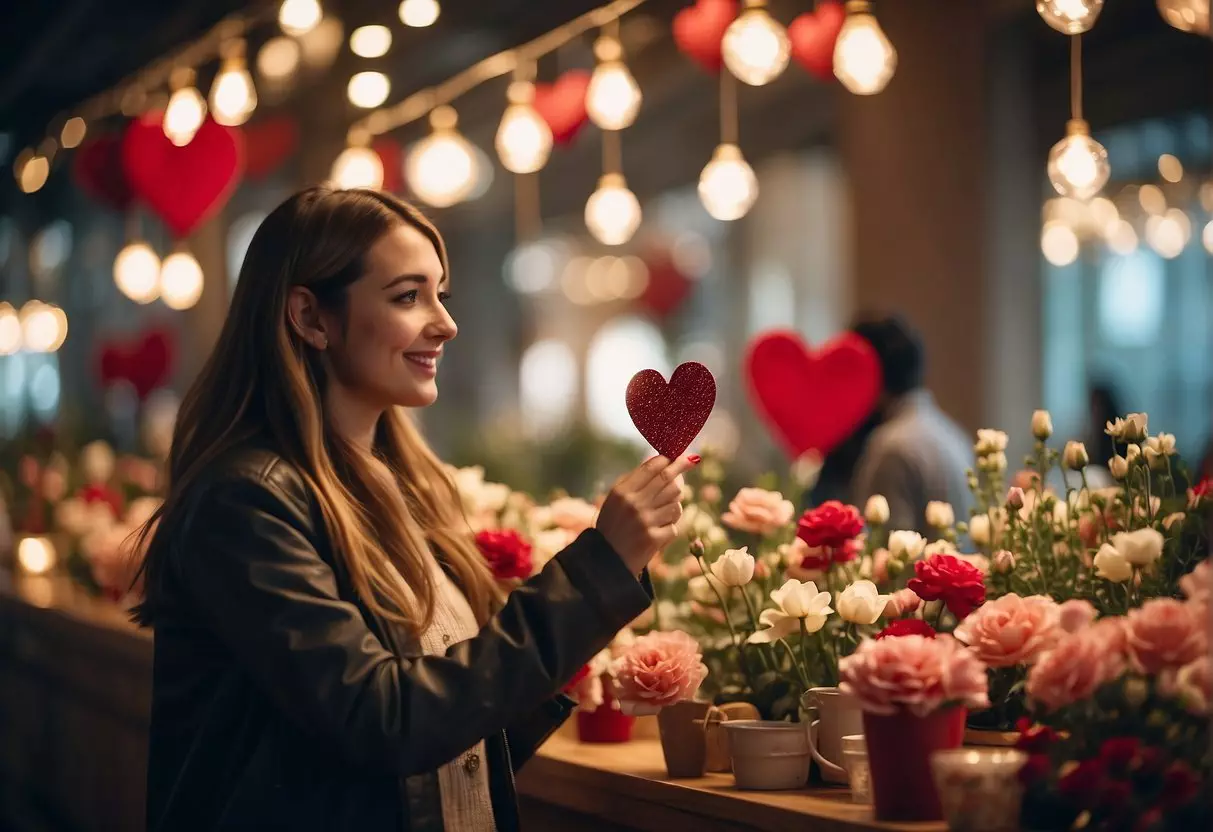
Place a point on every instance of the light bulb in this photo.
(42, 329)
(1206, 237)
(1070, 17)
(1169, 233)
(32, 175)
(137, 272)
(864, 59)
(612, 213)
(368, 89)
(1186, 15)
(524, 139)
(371, 41)
(320, 46)
(1152, 199)
(73, 132)
(1122, 239)
(755, 46)
(10, 329)
(1078, 165)
(358, 167)
(613, 96)
(298, 17)
(233, 97)
(441, 169)
(1059, 243)
(180, 280)
(419, 13)
(278, 58)
(185, 111)
(1170, 168)
(727, 185)
(36, 555)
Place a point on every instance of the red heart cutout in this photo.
(392, 159)
(267, 144)
(667, 288)
(188, 185)
(813, 35)
(97, 170)
(699, 29)
(812, 399)
(562, 104)
(670, 416)
(146, 363)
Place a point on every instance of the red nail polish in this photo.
(694, 459)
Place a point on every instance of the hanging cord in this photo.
(1076, 77)
(728, 108)
(612, 152)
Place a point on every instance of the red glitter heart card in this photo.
(670, 415)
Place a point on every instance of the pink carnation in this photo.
(1165, 633)
(657, 670)
(1197, 585)
(1192, 684)
(1077, 614)
(902, 602)
(758, 511)
(1075, 668)
(913, 672)
(1011, 630)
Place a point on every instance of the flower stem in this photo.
(767, 654)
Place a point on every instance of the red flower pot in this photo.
(899, 757)
(606, 723)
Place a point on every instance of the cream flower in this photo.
(906, 544)
(1163, 444)
(1042, 425)
(939, 514)
(705, 589)
(990, 442)
(939, 547)
(876, 511)
(861, 603)
(1118, 466)
(1139, 548)
(1115, 428)
(1136, 427)
(97, 461)
(1132, 452)
(758, 511)
(795, 602)
(734, 568)
(1111, 565)
(1075, 456)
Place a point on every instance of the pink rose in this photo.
(657, 670)
(1076, 614)
(758, 511)
(1111, 633)
(1011, 630)
(570, 513)
(913, 672)
(1074, 669)
(1197, 585)
(1192, 684)
(1163, 633)
(902, 602)
(880, 565)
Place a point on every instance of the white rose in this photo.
(1111, 564)
(1132, 452)
(1042, 425)
(1118, 466)
(807, 469)
(939, 547)
(861, 603)
(1061, 515)
(700, 588)
(734, 568)
(906, 544)
(1135, 429)
(990, 442)
(97, 462)
(979, 529)
(1115, 428)
(1163, 444)
(796, 602)
(1075, 456)
(995, 463)
(1140, 548)
(695, 522)
(940, 515)
(716, 535)
(876, 511)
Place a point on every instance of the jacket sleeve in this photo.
(246, 558)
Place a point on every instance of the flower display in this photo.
(947, 578)
(508, 554)
(829, 526)
(915, 673)
(1011, 630)
(907, 627)
(758, 511)
(796, 604)
(861, 603)
(1165, 633)
(734, 568)
(658, 669)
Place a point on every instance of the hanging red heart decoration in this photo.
(562, 104)
(188, 185)
(699, 30)
(392, 159)
(97, 170)
(670, 416)
(268, 143)
(146, 363)
(813, 35)
(668, 286)
(811, 399)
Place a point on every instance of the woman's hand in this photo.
(639, 516)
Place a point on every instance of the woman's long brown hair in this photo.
(264, 384)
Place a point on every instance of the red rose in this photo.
(907, 627)
(1204, 488)
(1119, 752)
(102, 494)
(1179, 785)
(1083, 782)
(507, 552)
(1036, 768)
(830, 525)
(947, 578)
(1034, 739)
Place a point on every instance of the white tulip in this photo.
(1163, 444)
(1111, 565)
(795, 602)
(906, 544)
(876, 511)
(734, 568)
(1118, 466)
(1115, 428)
(1042, 425)
(940, 515)
(979, 529)
(861, 603)
(1075, 456)
(1135, 427)
(1132, 452)
(1140, 548)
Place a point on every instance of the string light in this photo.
(186, 109)
(137, 272)
(233, 97)
(524, 139)
(358, 167)
(1152, 199)
(1186, 15)
(369, 89)
(1070, 17)
(43, 326)
(73, 132)
(1059, 243)
(10, 329)
(36, 555)
(321, 45)
(298, 17)
(1122, 239)
(441, 169)
(1206, 237)
(278, 58)
(612, 213)
(755, 46)
(1170, 168)
(180, 280)
(864, 59)
(371, 41)
(1078, 165)
(727, 185)
(613, 97)
(32, 172)
(419, 13)
(1169, 233)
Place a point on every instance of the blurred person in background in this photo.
(917, 453)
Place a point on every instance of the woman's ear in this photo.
(303, 312)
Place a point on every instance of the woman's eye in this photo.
(408, 297)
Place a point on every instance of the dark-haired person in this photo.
(331, 651)
(918, 453)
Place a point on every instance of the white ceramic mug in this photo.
(837, 715)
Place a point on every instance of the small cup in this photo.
(855, 761)
(979, 788)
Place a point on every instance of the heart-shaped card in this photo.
(670, 415)
(562, 104)
(813, 35)
(812, 399)
(699, 30)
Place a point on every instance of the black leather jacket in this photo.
(281, 703)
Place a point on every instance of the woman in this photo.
(330, 652)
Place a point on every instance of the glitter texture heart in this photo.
(670, 415)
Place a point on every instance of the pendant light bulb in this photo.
(358, 167)
(137, 272)
(233, 96)
(1078, 165)
(419, 13)
(755, 46)
(298, 17)
(1186, 15)
(727, 185)
(613, 97)
(180, 280)
(1070, 17)
(864, 59)
(442, 168)
(186, 109)
(368, 89)
(10, 329)
(612, 213)
(524, 139)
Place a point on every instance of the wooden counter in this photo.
(75, 700)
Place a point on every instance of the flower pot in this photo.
(681, 728)
(606, 723)
(768, 756)
(716, 740)
(834, 715)
(900, 746)
(979, 788)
